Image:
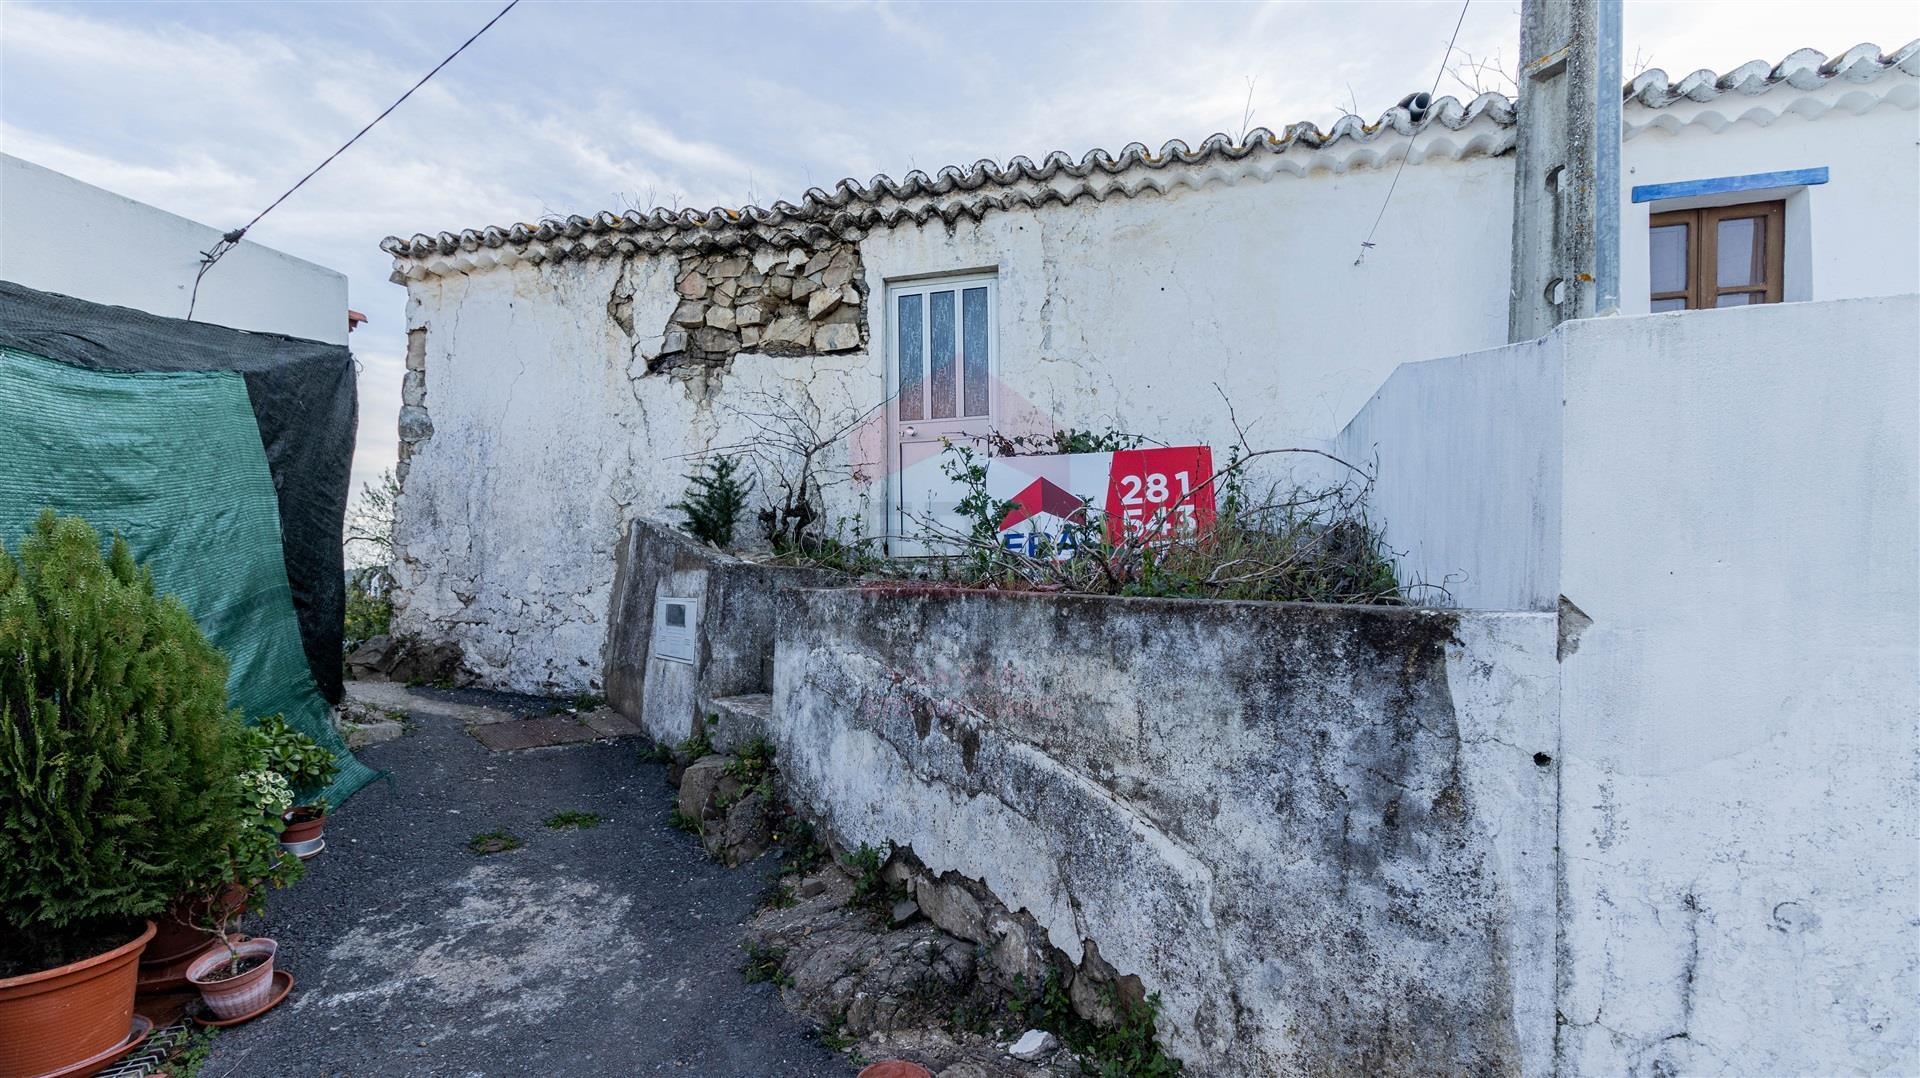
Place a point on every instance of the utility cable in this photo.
(232, 239)
(1367, 244)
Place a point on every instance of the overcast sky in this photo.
(211, 110)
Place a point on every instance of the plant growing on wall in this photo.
(715, 501)
(1071, 440)
(799, 451)
(120, 765)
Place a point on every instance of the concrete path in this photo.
(612, 950)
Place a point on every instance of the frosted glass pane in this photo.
(1669, 258)
(940, 349)
(912, 351)
(973, 322)
(1741, 242)
(1737, 299)
(1675, 304)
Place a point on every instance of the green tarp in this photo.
(173, 462)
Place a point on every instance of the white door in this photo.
(942, 385)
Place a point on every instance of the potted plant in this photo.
(307, 768)
(119, 788)
(276, 754)
(236, 978)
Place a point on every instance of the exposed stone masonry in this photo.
(415, 425)
(792, 302)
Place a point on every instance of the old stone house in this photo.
(575, 369)
(1643, 803)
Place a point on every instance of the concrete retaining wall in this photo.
(734, 633)
(1322, 834)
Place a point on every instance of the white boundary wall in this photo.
(1733, 499)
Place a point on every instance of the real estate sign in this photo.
(1155, 493)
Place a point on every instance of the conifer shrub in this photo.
(120, 765)
(714, 502)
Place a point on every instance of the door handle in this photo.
(909, 430)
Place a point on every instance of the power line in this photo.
(1367, 243)
(232, 239)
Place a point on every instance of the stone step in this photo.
(736, 720)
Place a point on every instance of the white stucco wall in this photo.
(1732, 498)
(58, 234)
(1739, 816)
(1464, 448)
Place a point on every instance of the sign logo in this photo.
(1150, 494)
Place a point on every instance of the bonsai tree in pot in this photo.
(236, 978)
(119, 786)
(307, 768)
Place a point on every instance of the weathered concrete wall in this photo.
(735, 633)
(540, 434)
(1321, 834)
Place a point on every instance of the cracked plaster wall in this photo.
(553, 407)
(1740, 518)
(1320, 833)
(546, 435)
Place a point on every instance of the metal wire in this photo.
(232, 239)
(1367, 244)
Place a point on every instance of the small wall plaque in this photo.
(676, 624)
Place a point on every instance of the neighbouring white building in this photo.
(1721, 506)
(58, 234)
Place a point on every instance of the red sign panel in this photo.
(1160, 493)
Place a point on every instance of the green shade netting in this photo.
(172, 462)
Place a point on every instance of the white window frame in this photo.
(957, 282)
(924, 286)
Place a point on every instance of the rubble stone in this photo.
(708, 339)
(836, 338)
(949, 904)
(1034, 1045)
(796, 302)
(790, 329)
(821, 302)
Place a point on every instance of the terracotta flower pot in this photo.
(232, 997)
(181, 930)
(55, 1018)
(304, 824)
(895, 1068)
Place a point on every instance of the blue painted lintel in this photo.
(1759, 181)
